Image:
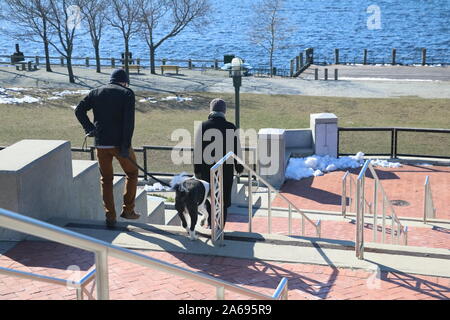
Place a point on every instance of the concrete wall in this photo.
(36, 180)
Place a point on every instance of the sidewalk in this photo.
(127, 281)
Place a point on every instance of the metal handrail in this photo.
(78, 285)
(429, 211)
(219, 232)
(360, 198)
(101, 249)
(348, 179)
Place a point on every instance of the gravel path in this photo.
(428, 82)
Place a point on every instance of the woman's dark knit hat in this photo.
(119, 76)
(218, 105)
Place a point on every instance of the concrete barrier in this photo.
(36, 181)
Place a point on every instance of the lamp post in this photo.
(236, 72)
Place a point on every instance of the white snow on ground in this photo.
(54, 98)
(6, 98)
(13, 100)
(314, 166)
(70, 93)
(149, 99)
(385, 79)
(178, 99)
(156, 187)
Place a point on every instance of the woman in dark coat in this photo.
(221, 128)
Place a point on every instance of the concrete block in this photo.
(36, 181)
(118, 190)
(87, 190)
(271, 155)
(156, 210)
(324, 128)
(238, 195)
(172, 218)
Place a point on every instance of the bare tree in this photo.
(169, 18)
(30, 22)
(270, 29)
(125, 17)
(64, 18)
(94, 13)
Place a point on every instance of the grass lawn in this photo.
(54, 119)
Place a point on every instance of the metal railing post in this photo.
(102, 281)
(290, 220)
(384, 220)
(375, 210)
(344, 195)
(145, 163)
(250, 201)
(220, 293)
(269, 195)
(79, 292)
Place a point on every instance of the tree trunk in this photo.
(97, 56)
(70, 69)
(152, 60)
(271, 63)
(47, 57)
(46, 45)
(126, 62)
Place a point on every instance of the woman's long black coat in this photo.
(202, 170)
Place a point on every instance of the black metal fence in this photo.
(396, 142)
(143, 155)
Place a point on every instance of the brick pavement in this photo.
(127, 281)
(404, 183)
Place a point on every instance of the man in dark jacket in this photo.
(217, 126)
(113, 107)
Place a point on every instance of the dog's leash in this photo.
(132, 161)
(145, 172)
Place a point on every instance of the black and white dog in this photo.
(190, 199)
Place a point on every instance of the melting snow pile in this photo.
(156, 187)
(6, 98)
(314, 166)
(177, 99)
(70, 93)
(149, 99)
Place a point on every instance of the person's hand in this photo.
(91, 134)
(124, 153)
(239, 169)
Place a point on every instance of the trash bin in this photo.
(227, 58)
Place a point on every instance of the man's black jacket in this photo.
(113, 107)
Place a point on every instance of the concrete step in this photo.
(172, 218)
(280, 248)
(86, 190)
(118, 189)
(156, 210)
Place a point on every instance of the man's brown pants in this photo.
(105, 158)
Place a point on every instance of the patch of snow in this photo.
(70, 93)
(177, 99)
(54, 98)
(385, 164)
(385, 79)
(314, 166)
(14, 100)
(16, 89)
(149, 99)
(156, 187)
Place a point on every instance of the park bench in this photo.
(25, 65)
(133, 67)
(169, 67)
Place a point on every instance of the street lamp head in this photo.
(236, 67)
